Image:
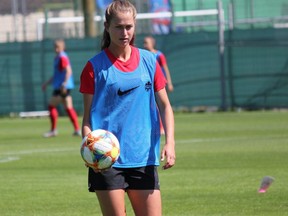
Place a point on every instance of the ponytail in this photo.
(105, 40)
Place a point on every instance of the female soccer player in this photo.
(121, 86)
(62, 81)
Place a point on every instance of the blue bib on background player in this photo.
(124, 103)
(59, 75)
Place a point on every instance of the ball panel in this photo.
(114, 153)
(105, 163)
(102, 146)
(87, 155)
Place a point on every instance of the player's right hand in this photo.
(95, 170)
(63, 90)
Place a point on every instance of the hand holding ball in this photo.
(100, 149)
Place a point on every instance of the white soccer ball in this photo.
(100, 149)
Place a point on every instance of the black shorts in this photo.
(141, 178)
(57, 92)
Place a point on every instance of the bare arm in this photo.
(169, 80)
(67, 75)
(167, 117)
(49, 81)
(86, 127)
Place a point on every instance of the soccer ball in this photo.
(100, 149)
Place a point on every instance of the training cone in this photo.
(265, 184)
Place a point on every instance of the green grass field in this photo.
(221, 159)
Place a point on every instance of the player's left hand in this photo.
(168, 153)
(170, 87)
(63, 90)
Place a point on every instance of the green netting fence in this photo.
(255, 60)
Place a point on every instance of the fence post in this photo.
(231, 15)
(46, 26)
(15, 23)
(24, 14)
(229, 60)
(221, 47)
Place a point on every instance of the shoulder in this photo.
(62, 57)
(98, 60)
(146, 53)
(159, 52)
(147, 56)
(97, 56)
(63, 54)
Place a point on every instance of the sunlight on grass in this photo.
(221, 159)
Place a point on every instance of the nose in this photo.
(124, 31)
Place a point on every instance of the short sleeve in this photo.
(162, 60)
(87, 85)
(63, 63)
(159, 79)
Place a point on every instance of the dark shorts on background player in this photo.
(141, 178)
(58, 92)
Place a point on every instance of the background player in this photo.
(149, 44)
(62, 81)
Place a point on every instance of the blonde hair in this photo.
(115, 7)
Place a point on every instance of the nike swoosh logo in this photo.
(120, 93)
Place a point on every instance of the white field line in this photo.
(211, 140)
(32, 151)
(11, 156)
(8, 158)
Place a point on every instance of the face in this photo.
(58, 47)
(148, 43)
(121, 29)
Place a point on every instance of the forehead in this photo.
(147, 40)
(123, 18)
(58, 44)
